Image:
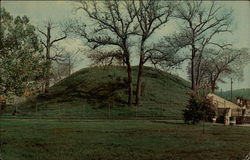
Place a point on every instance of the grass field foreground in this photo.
(121, 140)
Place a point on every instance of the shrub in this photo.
(198, 109)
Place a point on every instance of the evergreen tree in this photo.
(198, 109)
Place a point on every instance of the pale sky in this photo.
(59, 11)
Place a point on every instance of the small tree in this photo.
(198, 109)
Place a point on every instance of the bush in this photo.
(198, 109)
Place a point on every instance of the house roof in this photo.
(221, 102)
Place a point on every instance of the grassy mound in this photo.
(100, 92)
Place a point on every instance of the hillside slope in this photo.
(99, 92)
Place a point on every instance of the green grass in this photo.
(80, 110)
(100, 93)
(120, 140)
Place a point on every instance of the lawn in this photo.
(79, 110)
(120, 140)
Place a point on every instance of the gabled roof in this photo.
(221, 102)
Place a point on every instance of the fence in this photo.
(170, 111)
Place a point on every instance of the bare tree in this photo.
(59, 71)
(107, 58)
(112, 25)
(220, 64)
(203, 21)
(151, 15)
(167, 53)
(63, 67)
(71, 60)
(48, 43)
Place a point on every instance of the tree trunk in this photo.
(126, 60)
(192, 70)
(139, 83)
(130, 90)
(140, 71)
(139, 75)
(48, 61)
(192, 75)
(213, 86)
(47, 77)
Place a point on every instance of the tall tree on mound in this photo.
(203, 22)
(151, 15)
(20, 59)
(48, 43)
(108, 28)
(220, 64)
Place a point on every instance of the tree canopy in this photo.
(20, 60)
